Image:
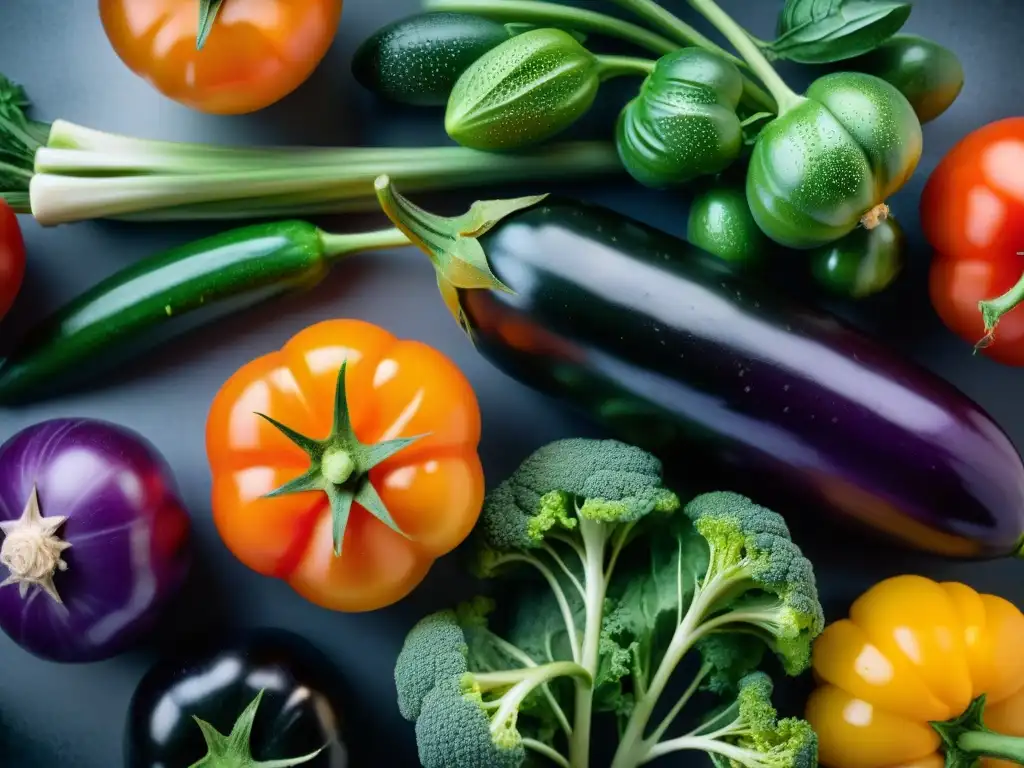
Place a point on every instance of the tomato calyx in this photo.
(208, 10)
(32, 551)
(967, 740)
(340, 466)
(234, 751)
(993, 310)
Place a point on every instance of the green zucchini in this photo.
(418, 59)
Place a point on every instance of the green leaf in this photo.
(208, 10)
(825, 31)
(368, 498)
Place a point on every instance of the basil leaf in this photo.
(833, 30)
(796, 13)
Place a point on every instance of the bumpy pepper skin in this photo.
(826, 162)
(526, 90)
(683, 123)
(914, 651)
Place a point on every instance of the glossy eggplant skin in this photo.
(301, 710)
(660, 344)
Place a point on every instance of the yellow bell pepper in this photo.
(915, 652)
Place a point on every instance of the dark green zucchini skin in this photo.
(664, 346)
(418, 59)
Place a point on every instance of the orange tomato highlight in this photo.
(258, 51)
(433, 487)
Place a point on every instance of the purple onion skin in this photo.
(128, 530)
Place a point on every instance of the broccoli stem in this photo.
(595, 540)
(543, 749)
(524, 682)
(563, 602)
(745, 757)
(633, 746)
(674, 712)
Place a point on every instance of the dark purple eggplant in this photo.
(666, 348)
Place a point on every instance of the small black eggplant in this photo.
(271, 683)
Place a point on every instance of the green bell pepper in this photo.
(928, 74)
(683, 123)
(530, 88)
(832, 157)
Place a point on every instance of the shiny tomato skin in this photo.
(257, 52)
(12, 258)
(433, 488)
(972, 211)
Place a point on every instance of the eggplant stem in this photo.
(32, 550)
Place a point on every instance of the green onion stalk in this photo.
(62, 172)
(675, 32)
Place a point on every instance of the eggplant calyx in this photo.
(451, 242)
(875, 216)
(32, 550)
(234, 751)
(967, 740)
(339, 466)
(992, 310)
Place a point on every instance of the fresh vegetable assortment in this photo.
(95, 539)
(346, 463)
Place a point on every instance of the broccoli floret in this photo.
(600, 480)
(757, 579)
(465, 689)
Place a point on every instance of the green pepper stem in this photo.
(651, 12)
(619, 66)
(980, 744)
(758, 63)
(552, 14)
(993, 310)
(337, 247)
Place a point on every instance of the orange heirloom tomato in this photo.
(346, 464)
(257, 51)
(914, 652)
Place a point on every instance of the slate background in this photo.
(73, 717)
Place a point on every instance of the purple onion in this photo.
(86, 588)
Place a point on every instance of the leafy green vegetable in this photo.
(824, 31)
(719, 584)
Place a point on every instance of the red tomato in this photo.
(972, 211)
(257, 52)
(12, 258)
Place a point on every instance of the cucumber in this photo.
(418, 59)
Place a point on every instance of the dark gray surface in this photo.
(73, 716)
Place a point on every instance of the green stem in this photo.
(534, 677)
(980, 744)
(337, 247)
(993, 310)
(550, 753)
(619, 66)
(738, 755)
(684, 34)
(594, 544)
(552, 14)
(756, 60)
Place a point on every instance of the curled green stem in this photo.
(993, 310)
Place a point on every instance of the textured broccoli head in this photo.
(434, 651)
(788, 743)
(454, 731)
(729, 659)
(601, 480)
(759, 574)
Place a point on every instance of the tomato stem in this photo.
(992, 310)
(337, 466)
